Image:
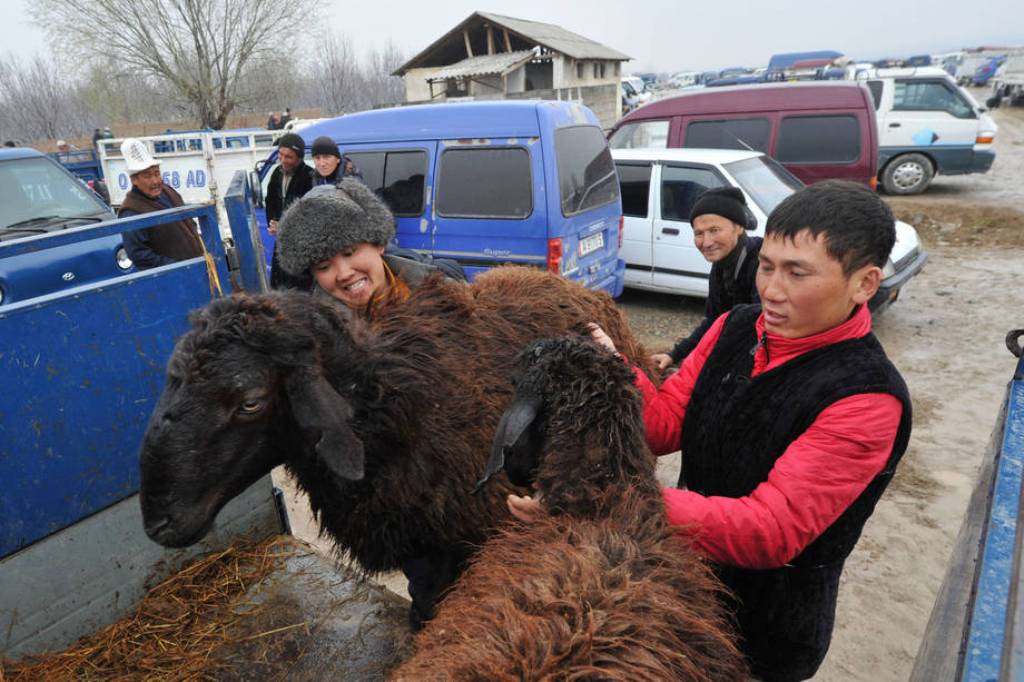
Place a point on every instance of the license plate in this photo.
(591, 244)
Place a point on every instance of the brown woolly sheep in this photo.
(603, 587)
(385, 424)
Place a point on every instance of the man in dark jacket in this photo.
(289, 181)
(720, 220)
(329, 163)
(164, 244)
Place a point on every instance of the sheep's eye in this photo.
(252, 406)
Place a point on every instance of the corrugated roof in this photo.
(484, 64)
(531, 33)
(557, 38)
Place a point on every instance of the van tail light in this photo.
(622, 225)
(874, 183)
(555, 256)
(984, 139)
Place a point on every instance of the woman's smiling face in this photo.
(353, 275)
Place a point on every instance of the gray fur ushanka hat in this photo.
(329, 219)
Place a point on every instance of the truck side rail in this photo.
(976, 629)
(83, 368)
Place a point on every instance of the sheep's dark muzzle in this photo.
(164, 532)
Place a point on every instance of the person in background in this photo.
(63, 147)
(720, 220)
(329, 164)
(273, 121)
(286, 118)
(290, 181)
(10, 143)
(164, 244)
(791, 421)
(97, 135)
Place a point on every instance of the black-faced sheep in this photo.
(385, 425)
(602, 588)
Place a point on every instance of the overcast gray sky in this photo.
(667, 35)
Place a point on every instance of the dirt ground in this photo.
(945, 334)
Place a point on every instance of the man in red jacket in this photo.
(791, 420)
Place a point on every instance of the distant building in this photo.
(489, 56)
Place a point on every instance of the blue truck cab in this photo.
(491, 183)
(39, 197)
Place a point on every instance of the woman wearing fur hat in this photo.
(720, 220)
(338, 234)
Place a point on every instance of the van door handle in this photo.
(669, 230)
(894, 125)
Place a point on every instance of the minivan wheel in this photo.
(908, 174)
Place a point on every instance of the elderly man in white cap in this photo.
(154, 246)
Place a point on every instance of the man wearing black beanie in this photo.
(720, 220)
(330, 165)
(289, 181)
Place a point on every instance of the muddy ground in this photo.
(945, 334)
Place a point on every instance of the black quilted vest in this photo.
(736, 428)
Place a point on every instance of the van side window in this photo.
(640, 134)
(586, 173)
(680, 188)
(914, 95)
(876, 92)
(635, 187)
(396, 177)
(736, 133)
(485, 182)
(818, 139)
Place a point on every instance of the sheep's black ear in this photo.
(324, 418)
(516, 443)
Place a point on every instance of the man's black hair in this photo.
(859, 227)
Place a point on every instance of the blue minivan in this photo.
(38, 196)
(491, 183)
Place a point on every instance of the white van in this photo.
(927, 125)
(659, 188)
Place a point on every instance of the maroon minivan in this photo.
(819, 130)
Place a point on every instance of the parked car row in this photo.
(897, 126)
(534, 183)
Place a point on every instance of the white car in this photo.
(634, 93)
(659, 187)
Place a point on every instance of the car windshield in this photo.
(35, 191)
(764, 180)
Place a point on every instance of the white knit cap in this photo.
(136, 157)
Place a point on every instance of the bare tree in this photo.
(335, 75)
(201, 48)
(383, 88)
(36, 102)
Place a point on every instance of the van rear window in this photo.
(396, 177)
(818, 139)
(734, 133)
(586, 173)
(485, 182)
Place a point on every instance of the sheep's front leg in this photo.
(430, 576)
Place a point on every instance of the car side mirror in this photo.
(257, 188)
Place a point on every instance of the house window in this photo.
(597, 70)
(579, 70)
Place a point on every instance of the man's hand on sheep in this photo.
(601, 338)
(661, 360)
(526, 509)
